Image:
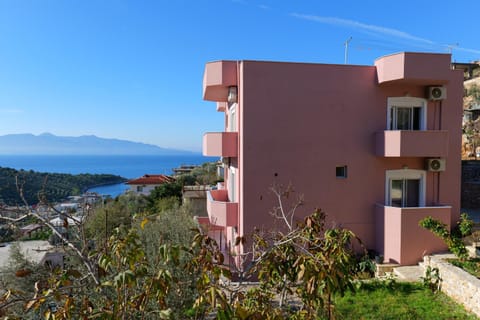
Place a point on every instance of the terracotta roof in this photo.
(151, 179)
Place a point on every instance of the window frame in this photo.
(405, 174)
(407, 102)
(232, 117)
(344, 171)
(232, 184)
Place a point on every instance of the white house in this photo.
(144, 185)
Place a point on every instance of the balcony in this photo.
(220, 144)
(221, 106)
(220, 211)
(414, 143)
(218, 76)
(414, 68)
(401, 239)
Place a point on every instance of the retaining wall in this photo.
(457, 284)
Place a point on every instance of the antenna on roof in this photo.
(451, 46)
(346, 49)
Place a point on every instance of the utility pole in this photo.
(346, 49)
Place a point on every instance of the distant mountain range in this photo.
(49, 144)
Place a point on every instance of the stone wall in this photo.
(470, 184)
(457, 284)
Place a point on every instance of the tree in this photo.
(111, 214)
(154, 268)
(471, 130)
(170, 190)
(172, 227)
(309, 260)
(453, 239)
(20, 274)
(471, 127)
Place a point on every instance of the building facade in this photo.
(376, 147)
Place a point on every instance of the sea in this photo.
(129, 167)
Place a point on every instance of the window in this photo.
(405, 188)
(406, 113)
(231, 184)
(139, 188)
(232, 118)
(405, 193)
(341, 172)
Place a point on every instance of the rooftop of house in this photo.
(33, 251)
(151, 179)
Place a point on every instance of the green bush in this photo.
(453, 239)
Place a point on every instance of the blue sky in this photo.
(132, 69)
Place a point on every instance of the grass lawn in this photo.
(397, 300)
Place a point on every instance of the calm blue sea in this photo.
(126, 166)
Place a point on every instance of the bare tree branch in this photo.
(84, 258)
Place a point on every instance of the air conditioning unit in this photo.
(435, 165)
(437, 93)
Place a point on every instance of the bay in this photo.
(111, 190)
(126, 166)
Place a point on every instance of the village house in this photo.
(145, 184)
(376, 147)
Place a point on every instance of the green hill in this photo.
(55, 186)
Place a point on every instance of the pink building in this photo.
(376, 147)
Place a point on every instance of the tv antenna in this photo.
(450, 47)
(346, 49)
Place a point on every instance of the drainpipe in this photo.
(240, 114)
(440, 110)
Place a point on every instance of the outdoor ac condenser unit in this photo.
(437, 93)
(436, 165)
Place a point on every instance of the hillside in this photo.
(56, 186)
(49, 144)
(470, 136)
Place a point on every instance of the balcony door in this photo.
(406, 113)
(231, 186)
(232, 118)
(405, 188)
(405, 192)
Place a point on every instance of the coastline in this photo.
(111, 190)
(106, 184)
(124, 167)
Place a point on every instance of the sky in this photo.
(133, 69)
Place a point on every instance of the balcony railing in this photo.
(401, 239)
(220, 144)
(218, 76)
(411, 143)
(220, 210)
